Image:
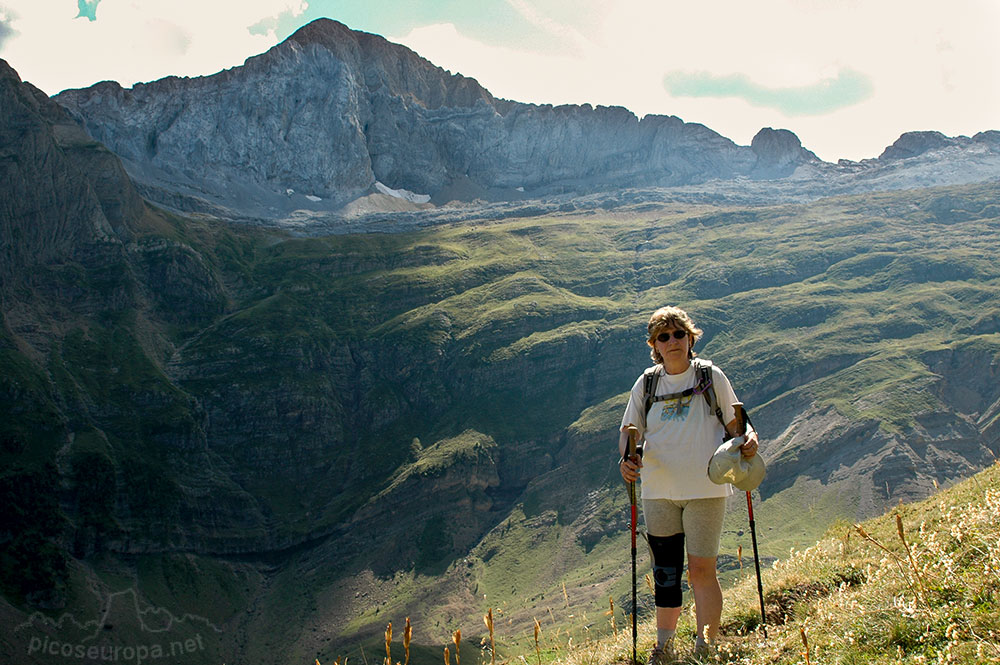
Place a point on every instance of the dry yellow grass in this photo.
(922, 587)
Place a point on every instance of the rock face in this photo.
(330, 111)
(85, 292)
(779, 152)
(63, 191)
(913, 144)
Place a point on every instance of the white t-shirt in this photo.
(681, 436)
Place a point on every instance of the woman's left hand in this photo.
(749, 447)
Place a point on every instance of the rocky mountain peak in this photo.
(21, 100)
(328, 33)
(7, 72)
(990, 137)
(383, 64)
(912, 144)
(779, 152)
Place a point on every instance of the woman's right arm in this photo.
(630, 467)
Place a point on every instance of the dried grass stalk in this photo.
(488, 620)
(388, 644)
(913, 564)
(899, 563)
(407, 634)
(614, 628)
(538, 651)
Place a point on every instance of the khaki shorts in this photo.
(700, 520)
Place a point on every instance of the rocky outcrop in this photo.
(330, 111)
(415, 514)
(914, 144)
(64, 194)
(779, 152)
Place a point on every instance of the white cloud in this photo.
(134, 41)
(543, 78)
(930, 69)
(567, 35)
(6, 31)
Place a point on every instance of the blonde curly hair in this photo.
(666, 318)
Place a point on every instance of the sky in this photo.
(847, 76)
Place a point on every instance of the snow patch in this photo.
(402, 194)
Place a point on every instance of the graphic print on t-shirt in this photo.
(676, 408)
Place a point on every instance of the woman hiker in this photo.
(678, 498)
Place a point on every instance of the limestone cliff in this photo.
(779, 152)
(330, 111)
(64, 192)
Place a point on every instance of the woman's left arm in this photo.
(725, 391)
(749, 447)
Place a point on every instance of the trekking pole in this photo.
(633, 435)
(741, 431)
(756, 564)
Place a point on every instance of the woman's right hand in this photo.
(630, 468)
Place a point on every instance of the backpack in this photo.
(703, 372)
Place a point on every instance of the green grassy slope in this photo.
(915, 585)
(866, 313)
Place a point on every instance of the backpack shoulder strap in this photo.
(650, 378)
(703, 370)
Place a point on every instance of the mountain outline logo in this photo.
(128, 628)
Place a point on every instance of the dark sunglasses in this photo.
(677, 334)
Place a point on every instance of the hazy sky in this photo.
(847, 76)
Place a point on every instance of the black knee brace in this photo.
(667, 553)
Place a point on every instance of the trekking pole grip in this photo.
(631, 453)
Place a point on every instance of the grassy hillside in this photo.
(368, 426)
(916, 585)
(858, 326)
